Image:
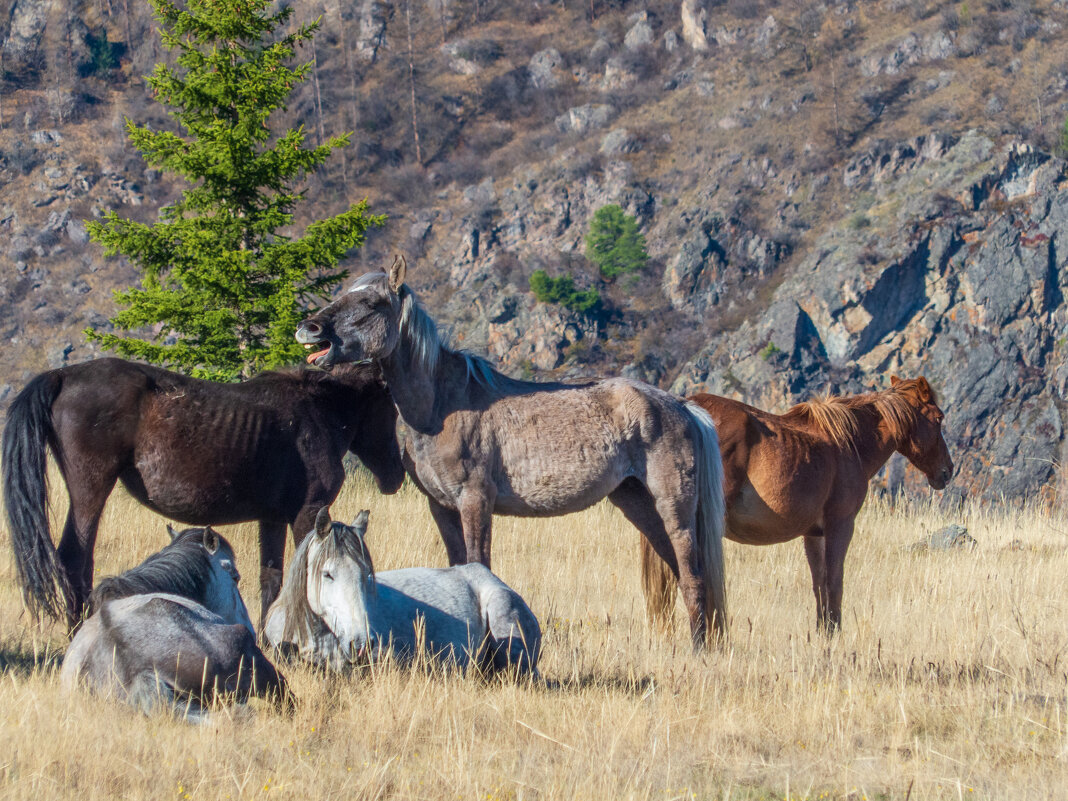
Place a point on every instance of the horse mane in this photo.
(428, 343)
(301, 622)
(836, 416)
(183, 568)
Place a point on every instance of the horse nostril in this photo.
(312, 328)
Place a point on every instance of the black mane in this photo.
(181, 568)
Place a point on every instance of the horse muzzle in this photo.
(314, 338)
(940, 479)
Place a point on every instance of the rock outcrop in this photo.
(962, 282)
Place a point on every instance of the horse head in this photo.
(924, 445)
(222, 595)
(198, 563)
(362, 324)
(340, 581)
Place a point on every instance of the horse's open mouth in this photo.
(322, 355)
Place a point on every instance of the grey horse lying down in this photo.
(334, 608)
(173, 631)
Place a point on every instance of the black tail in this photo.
(25, 442)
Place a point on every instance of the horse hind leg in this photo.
(678, 511)
(659, 565)
(513, 636)
(75, 551)
(815, 551)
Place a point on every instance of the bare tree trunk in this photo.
(349, 66)
(411, 81)
(70, 51)
(593, 14)
(441, 13)
(1, 90)
(320, 131)
(129, 33)
(834, 101)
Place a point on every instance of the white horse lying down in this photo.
(173, 630)
(334, 608)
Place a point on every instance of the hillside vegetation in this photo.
(830, 192)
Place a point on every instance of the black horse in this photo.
(200, 452)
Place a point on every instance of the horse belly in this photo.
(768, 515)
(557, 478)
(201, 493)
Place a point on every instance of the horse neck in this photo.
(417, 391)
(875, 441)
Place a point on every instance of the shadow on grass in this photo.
(626, 685)
(24, 659)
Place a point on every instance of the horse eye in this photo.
(328, 576)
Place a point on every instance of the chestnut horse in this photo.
(481, 443)
(805, 473)
(200, 452)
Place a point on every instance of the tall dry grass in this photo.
(947, 681)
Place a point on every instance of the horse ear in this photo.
(925, 389)
(894, 380)
(323, 522)
(171, 532)
(397, 272)
(360, 523)
(211, 540)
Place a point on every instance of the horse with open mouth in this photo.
(481, 443)
(173, 631)
(335, 609)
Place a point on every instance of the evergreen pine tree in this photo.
(614, 243)
(222, 291)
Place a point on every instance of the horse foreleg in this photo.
(838, 537)
(451, 530)
(476, 517)
(815, 550)
(272, 557)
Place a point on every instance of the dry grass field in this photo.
(947, 682)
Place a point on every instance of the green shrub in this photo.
(859, 221)
(614, 243)
(562, 292)
(769, 350)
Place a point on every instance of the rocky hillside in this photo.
(831, 192)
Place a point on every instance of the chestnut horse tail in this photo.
(24, 446)
(658, 582)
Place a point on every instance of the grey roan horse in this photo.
(173, 630)
(334, 608)
(482, 443)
